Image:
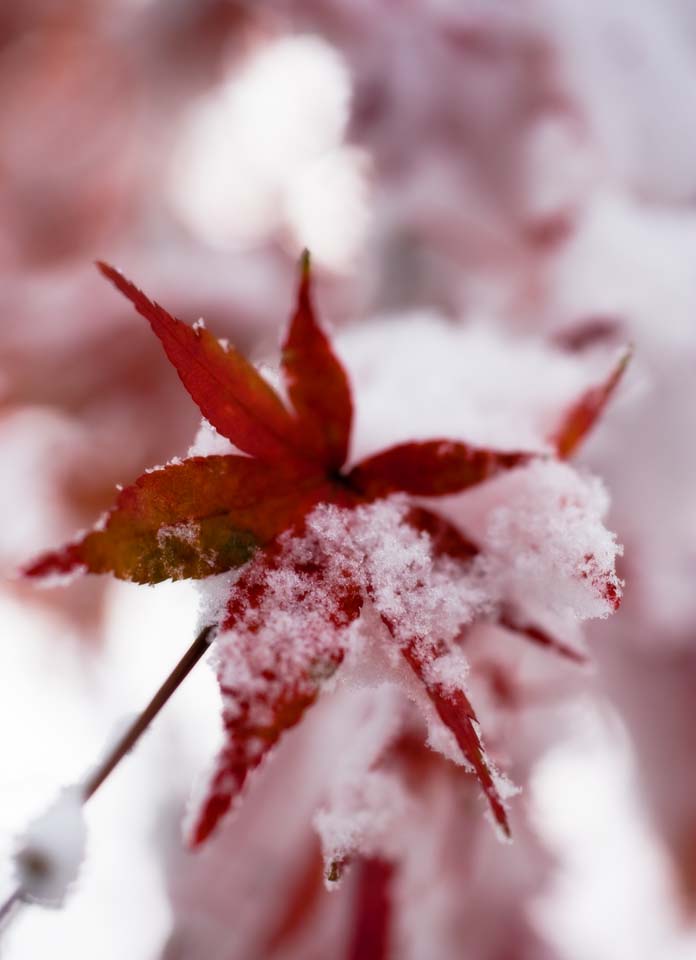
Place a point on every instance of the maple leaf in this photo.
(582, 415)
(208, 515)
(370, 930)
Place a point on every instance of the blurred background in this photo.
(526, 164)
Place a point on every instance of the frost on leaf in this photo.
(282, 637)
(366, 800)
(288, 630)
(338, 577)
(547, 546)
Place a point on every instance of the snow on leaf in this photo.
(281, 640)
(229, 391)
(190, 519)
(546, 546)
(582, 416)
(446, 538)
(431, 468)
(365, 799)
(456, 712)
(323, 545)
(317, 383)
(423, 600)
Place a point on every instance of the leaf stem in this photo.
(128, 740)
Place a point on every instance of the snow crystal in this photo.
(299, 618)
(213, 597)
(294, 625)
(49, 854)
(423, 597)
(448, 670)
(209, 442)
(186, 531)
(158, 467)
(360, 818)
(51, 581)
(546, 544)
(297, 634)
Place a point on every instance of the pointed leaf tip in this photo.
(457, 713)
(317, 382)
(257, 716)
(431, 468)
(192, 519)
(229, 391)
(581, 417)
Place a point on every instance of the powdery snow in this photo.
(50, 852)
(547, 545)
(543, 547)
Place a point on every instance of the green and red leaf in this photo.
(190, 519)
(317, 382)
(581, 417)
(431, 468)
(228, 389)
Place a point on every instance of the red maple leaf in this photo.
(207, 515)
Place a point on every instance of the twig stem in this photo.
(126, 743)
(9, 904)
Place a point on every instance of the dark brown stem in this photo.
(143, 720)
(126, 743)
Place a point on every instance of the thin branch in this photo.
(9, 905)
(126, 743)
(143, 720)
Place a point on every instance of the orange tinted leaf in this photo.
(317, 383)
(431, 468)
(582, 416)
(229, 391)
(191, 519)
